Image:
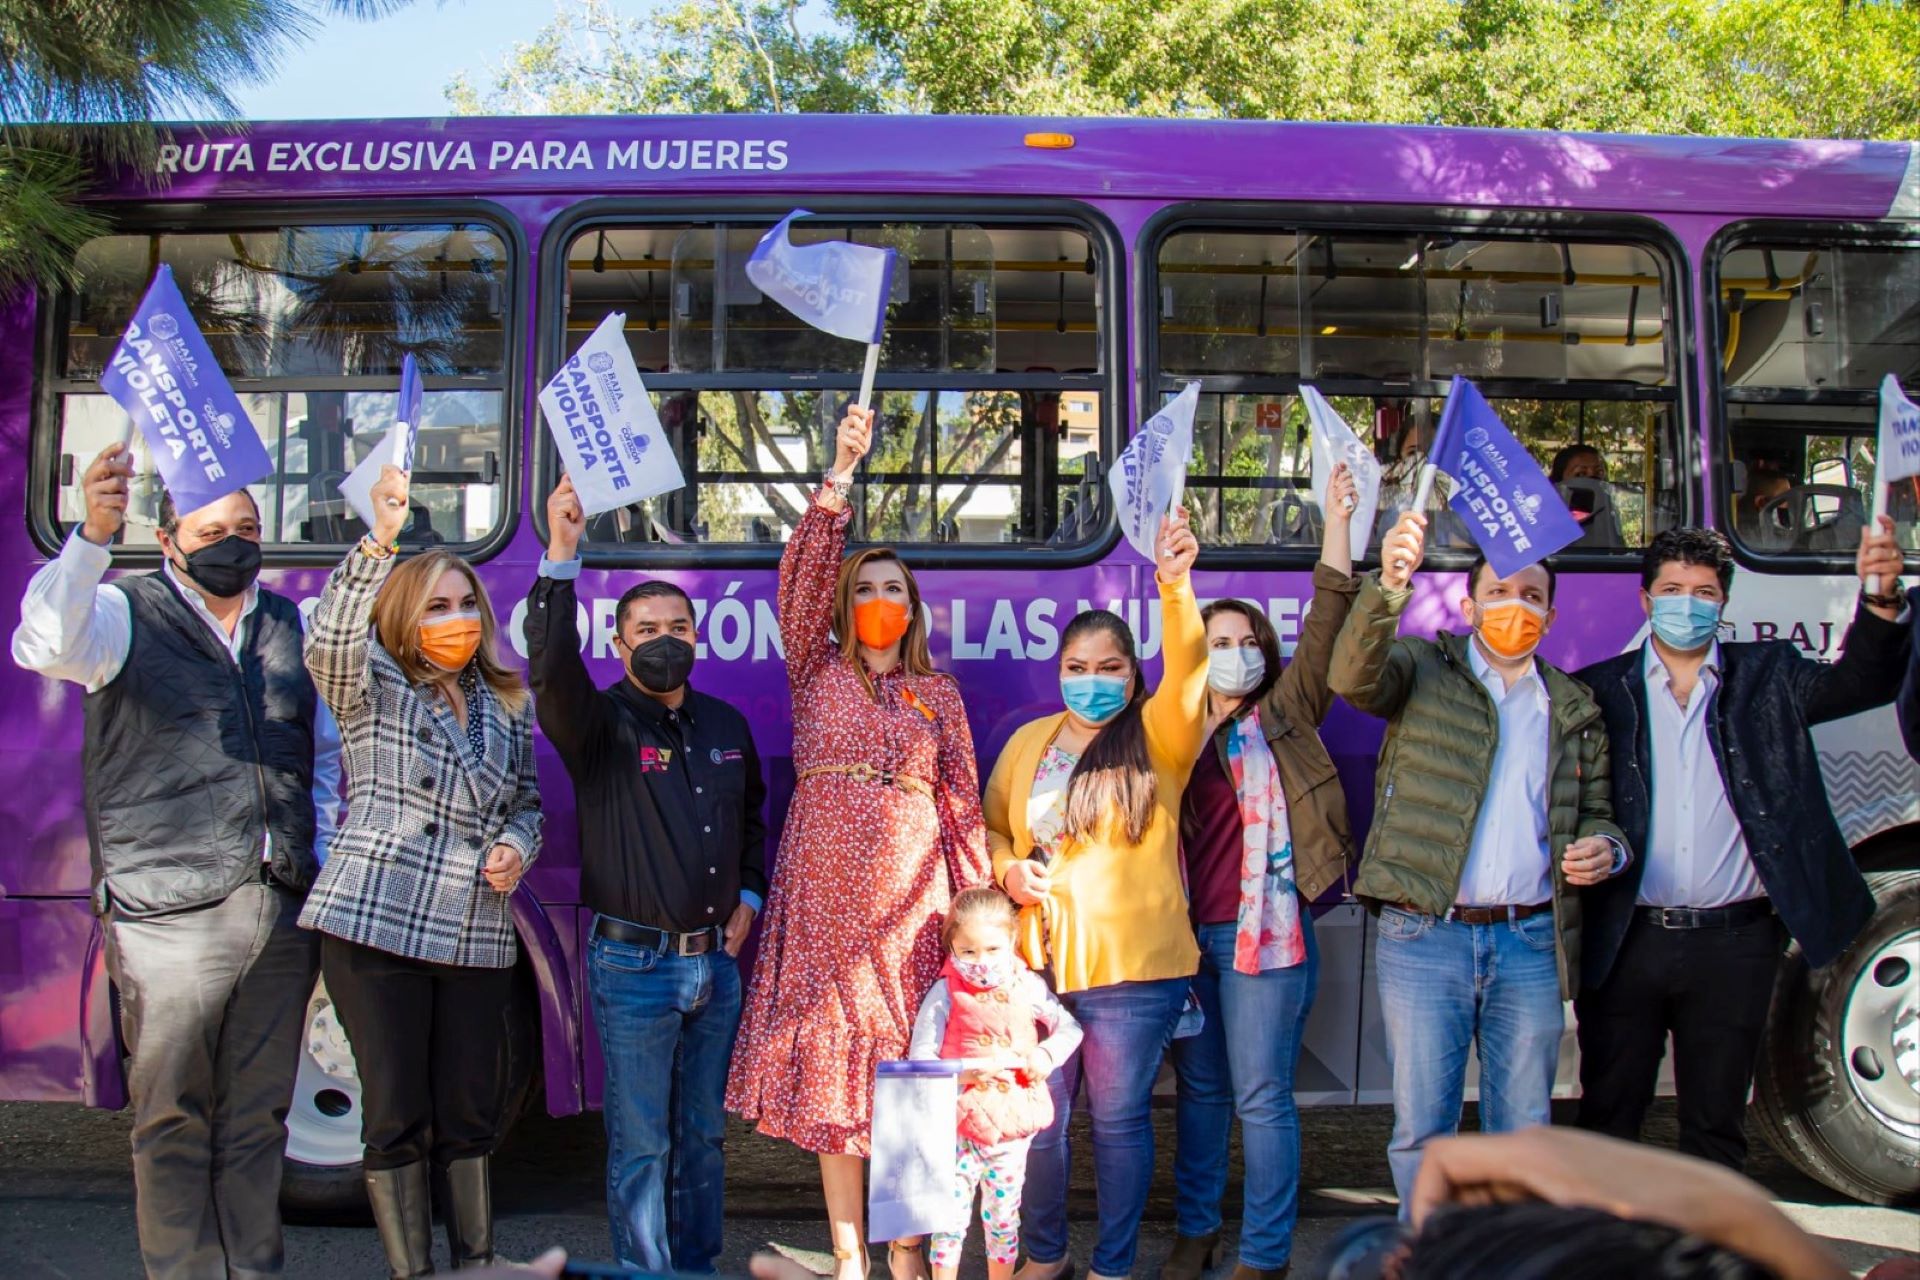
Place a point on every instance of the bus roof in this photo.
(1082, 158)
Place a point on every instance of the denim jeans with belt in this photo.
(1446, 987)
(1127, 1028)
(1242, 1063)
(666, 1025)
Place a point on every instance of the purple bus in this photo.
(1699, 323)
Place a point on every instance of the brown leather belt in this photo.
(864, 772)
(1481, 915)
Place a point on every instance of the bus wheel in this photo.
(321, 1177)
(1838, 1091)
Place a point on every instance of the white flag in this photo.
(1898, 454)
(1151, 473)
(605, 427)
(1334, 442)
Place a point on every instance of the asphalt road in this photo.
(66, 1197)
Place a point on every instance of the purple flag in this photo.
(407, 416)
(839, 287)
(165, 377)
(1513, 510)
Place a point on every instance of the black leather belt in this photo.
(698, 943)
(1728, 917)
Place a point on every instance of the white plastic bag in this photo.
(910, 1184)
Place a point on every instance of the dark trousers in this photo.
(1710, 989)
(211, 1006)
(430, 1041)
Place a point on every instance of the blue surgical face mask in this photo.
(1685, 623)
(1095, 699)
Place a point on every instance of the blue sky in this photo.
(399, 65)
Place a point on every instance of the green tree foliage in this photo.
(1796, 68)
(103, 71)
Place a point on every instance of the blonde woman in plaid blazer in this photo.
(443, 818)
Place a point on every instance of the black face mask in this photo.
(662, 665)
(226, 568)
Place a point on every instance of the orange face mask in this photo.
(449, 643)
(879, 623)
(1511, 628)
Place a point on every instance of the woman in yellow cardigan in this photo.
(1083, 818)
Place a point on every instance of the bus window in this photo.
(992, 386)
(1808, 331)
(1569, 340)
(311, 324)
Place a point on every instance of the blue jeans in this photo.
(666, 1026)
(1242, 1063)
(1446, 987)
(1127, 1027)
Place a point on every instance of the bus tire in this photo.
(1838, 1088)
(321, 1177)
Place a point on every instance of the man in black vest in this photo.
(1716, 783)
(204, 741)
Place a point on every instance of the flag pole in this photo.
(866, 376)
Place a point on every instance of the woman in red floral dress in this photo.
(884, 828)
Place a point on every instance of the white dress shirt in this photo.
(72, 627)
(1508, 863)
(1696, 853)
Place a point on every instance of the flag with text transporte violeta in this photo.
(605, 427)
(1511, 508)
(1898, 454)
(1333, 442)
(396, 450)
(839, 287)
(165, 377)
(1151, 472)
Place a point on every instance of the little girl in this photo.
(985, 1007)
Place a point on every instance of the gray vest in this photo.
(191, 759)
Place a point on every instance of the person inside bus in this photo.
(1083, 814)
(883, 829)
(668, 790)
(206, 824)
(1491, 808)
(1263, 830)
(443, 819)
(1718, 787)
(1579, 472)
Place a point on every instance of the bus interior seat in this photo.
(1293, 521)
(760, 530)
(1792, 521)
(1601, 528)
(1080, 511)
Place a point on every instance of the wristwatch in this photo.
(838, 484)
(1891, 600)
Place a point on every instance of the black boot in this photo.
(403, 1211)
(469, 1212)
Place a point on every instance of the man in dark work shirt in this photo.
(668, 792)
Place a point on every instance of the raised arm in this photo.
(337, 641)
(1874, 652)
(572, 712)
(811, 563)
(1368, 668)
(1176, 714)
(71, 627)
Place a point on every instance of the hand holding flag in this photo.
(360, 483)
(388, 502)
(1149, 476)
(836, 287)
(1896, 454)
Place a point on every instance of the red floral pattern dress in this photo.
(850, 941)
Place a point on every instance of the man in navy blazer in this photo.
(1716, 783)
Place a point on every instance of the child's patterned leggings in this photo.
(997, 1173)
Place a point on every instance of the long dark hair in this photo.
(1115, 774)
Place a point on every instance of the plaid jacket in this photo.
(403, 873)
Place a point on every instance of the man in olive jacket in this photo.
(1490, 806)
